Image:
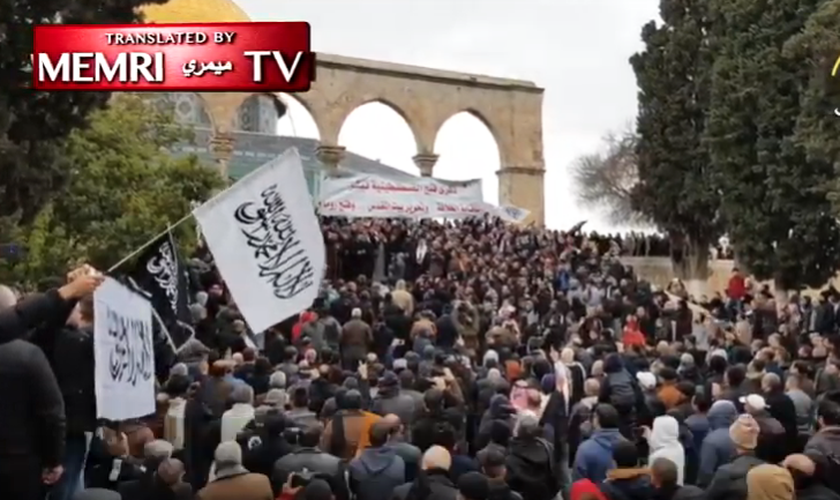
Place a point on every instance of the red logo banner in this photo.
(225, 57)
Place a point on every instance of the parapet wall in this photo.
(658, 271)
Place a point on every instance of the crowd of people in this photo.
(469, 360)
(630, 244)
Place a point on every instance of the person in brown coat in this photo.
(347, 433)
(403, 299)
(356, 338)
(233, 481)
(670, 396)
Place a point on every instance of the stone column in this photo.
(221, 145)
(426, 163)
(523, 187)
(331, 156)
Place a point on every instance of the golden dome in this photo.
(194, 11)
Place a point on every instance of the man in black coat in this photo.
(781, 408)
(40, 309)
(32, 419)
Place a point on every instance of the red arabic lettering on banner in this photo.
(393, 187)
(424, 198)
(338, 206)
(367, 187)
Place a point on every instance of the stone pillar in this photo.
(523, 187)
(221, 145)
(331, 156)
(426, 163)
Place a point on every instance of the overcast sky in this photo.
(577, 50)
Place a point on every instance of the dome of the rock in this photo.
(256, 114)
(194, 11)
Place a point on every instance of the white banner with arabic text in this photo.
(378, 206)
(425, 188)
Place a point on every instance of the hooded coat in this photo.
(530, 466)
(718, 448)
(500, 409)
(376, 473)
(664, 442)
(594, 456)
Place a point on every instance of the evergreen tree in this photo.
(817, 48)
(125, 187)
(674, 184)
(773, 197)
(33, 124)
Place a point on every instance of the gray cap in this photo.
(97, 494)
(228, 460)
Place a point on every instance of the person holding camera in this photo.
(307, 462)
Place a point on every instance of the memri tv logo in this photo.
(227, 57)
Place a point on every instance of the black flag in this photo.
(160, 272)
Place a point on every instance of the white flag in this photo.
(266, 241)
(123, 353)
(509, 213)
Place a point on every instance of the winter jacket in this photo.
(782, 408)
(804, 409)
(699, 426)
(772, 439)
(730, 480)
(530, 469)
(391, 400)
(376, 473)
(824, 449)
(717, 448)
(627, 484)
(429, 485)
(499, 490)
(620, 390)
(580, 425)
(411, 456)
(664, 442)
(816, 491)
(500, 409)
(73, 365)
(594, 457)
(32, 424)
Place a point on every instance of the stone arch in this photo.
(393, 107)
(478, 115)
(482, 149)
(299, 99)
(401, 120)
(511, 109)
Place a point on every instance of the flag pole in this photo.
(142, 247)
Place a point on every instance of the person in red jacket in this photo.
(632, 335)
(737, 287)
(297, 329)
(584, 489)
